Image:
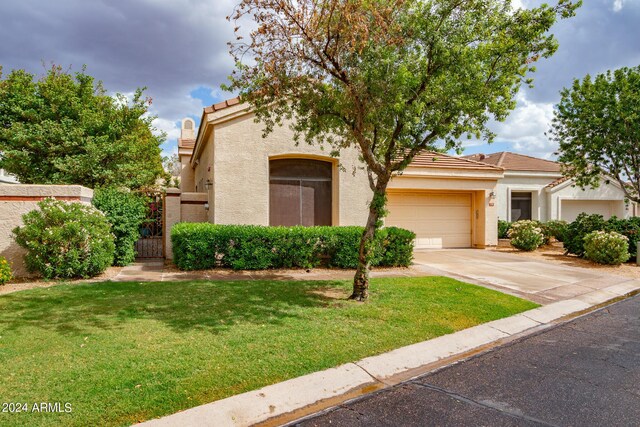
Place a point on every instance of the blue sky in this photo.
(178, 50)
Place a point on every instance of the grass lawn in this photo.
(120, 353)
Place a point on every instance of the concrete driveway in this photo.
(537, 281)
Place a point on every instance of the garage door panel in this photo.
(570, 209)
(439, 220)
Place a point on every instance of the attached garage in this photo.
(570, 209)
(440, 220)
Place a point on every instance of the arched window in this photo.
(299, 192)
(188, 124)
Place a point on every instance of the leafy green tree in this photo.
(390, 77)
(597, 127)
(65, 129)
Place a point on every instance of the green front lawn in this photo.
(120, 353)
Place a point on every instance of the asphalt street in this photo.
(582, 373)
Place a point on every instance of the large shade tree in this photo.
(390, 77)
(597, 127)
(64, 128)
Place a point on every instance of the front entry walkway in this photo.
(537, 281)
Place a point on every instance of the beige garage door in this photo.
(570, 209)
(439, 220)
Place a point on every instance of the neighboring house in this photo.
(5, 178)
(534, 188)
(447, 201)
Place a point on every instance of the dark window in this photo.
(299, 192)
(520, 206)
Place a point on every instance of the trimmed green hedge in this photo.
(125, 211)
(199, 246)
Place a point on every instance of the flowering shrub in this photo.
(5, 271)
(526, 235)
(65, 240)
(606, 247)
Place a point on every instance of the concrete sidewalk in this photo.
(283, 402)
(151, 270)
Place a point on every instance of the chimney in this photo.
(188, 129)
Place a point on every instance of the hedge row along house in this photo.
(235, 176)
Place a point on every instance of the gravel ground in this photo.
(555, 253)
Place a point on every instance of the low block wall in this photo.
(181, 207)
(18, 199)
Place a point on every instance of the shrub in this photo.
(125, 211)
(526, 235)
(65, 240)
(5, 271)
(503, 229)
(199, 246)
(627, 227)
(578, 229)
(606, 247)
(556, 229)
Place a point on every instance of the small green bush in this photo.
(5, 271)
(503, 229)
(556, 229)
(526, 235)
(125, 211)
(578, 229)
(198, 246)
(66, 240)
(606, 247)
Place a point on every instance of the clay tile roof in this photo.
(222, 105)
(558, 182)
(516, 162)
(438, 160)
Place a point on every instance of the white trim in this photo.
(532, 174)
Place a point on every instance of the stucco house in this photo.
(230, 174)
(448, 201)
(534, 188)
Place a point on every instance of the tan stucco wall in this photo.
(181, 207)
(192, 207)
(534, 184)
(240, 194)
(18, 199)
(610, 192)
(187, 182)
(545, 203)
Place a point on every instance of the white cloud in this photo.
(618, 5)
(170, 127)
(518, 4)
(526, 126)
(524, 129)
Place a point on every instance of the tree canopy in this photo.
(390, 77)
(597, 127)
(64, 129)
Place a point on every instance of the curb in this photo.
(287, 401)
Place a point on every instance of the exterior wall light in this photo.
(208, 184)
(206, 206)
(492, 195)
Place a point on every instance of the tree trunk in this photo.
(365, 254)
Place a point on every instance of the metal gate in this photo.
(150, 244)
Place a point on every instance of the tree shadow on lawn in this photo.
(182, 306)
